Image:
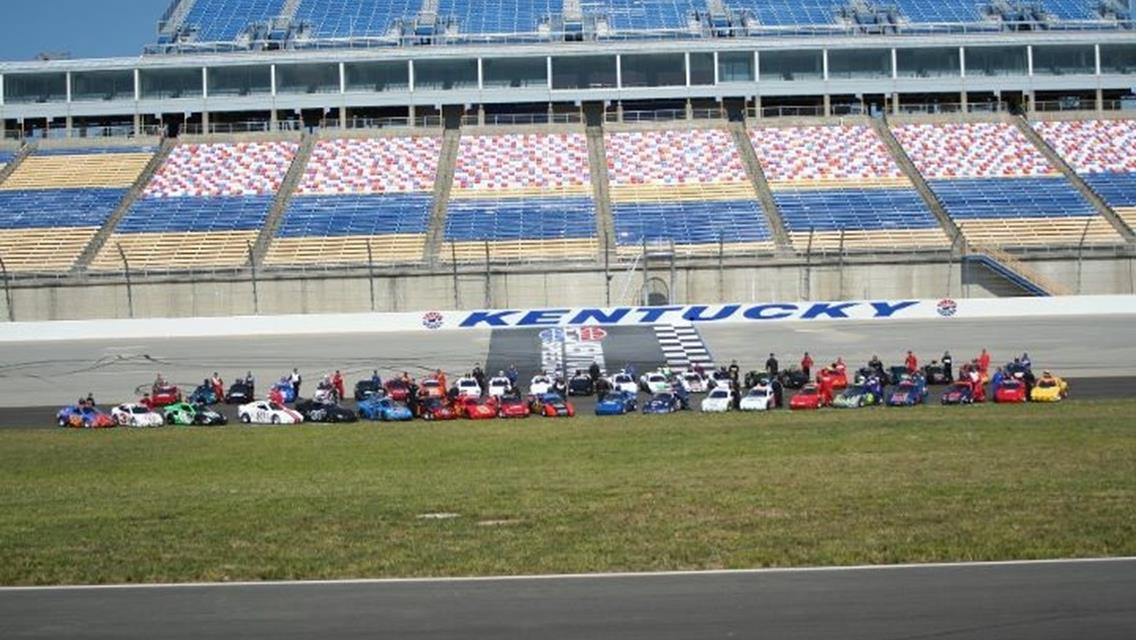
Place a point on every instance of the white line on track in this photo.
(585, 576)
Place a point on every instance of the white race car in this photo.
(655, 382)
(264, 412)
(499, 386)
(468, 388)
(694, 382)
(540, 385)
(719, 400)
(759, 398)
(623, 381)
(431, 388)
(136, 415)
(720, 378)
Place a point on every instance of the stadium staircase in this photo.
(1014, 271)
(105, 232)
(912, 172)
(761, 184)
(175, 16)
(283, 196)
(14, 163)
(1056, 160)
(443, 185)
(601, 189)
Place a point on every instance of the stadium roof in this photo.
(194, 25)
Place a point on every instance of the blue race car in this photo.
(617, 403)
(287, 392)
(204, 394)
(385, 409)
(84, 417)
(911, 391)
(665, 403)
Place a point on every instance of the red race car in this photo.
(162, 396)
(397, 389)
(431, 388)
(811, 396)
(436, 409)
(835, 379)
(551, 405)
(477, 409)
(1010, 391)
(513, 407)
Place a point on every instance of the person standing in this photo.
(911, 363)
(513, 375)
(412, 397)
(771, 366)
(778, 392)
(983, 362)
(594, 372)
(948, 367)
(479, 375)
(296, 380)
(337, 382)
(807, 365)
(734, 370)
(218, 386)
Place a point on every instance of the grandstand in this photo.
(998, 188)
(1103, 153)
(687, 188)
(360, 200)
(838, 186)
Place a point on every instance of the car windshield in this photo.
(808, 391)
(429, 383)
(761, 393)
(1011, 384)
(1047, 384)
(551, 398)
(466, 384)
(275, 407)
(613, 397)
(693, 378)
(719, 394)
(960, 386)
(499, 382)
(656, 378)
(139, 410)
(623, 379)
(662, 397)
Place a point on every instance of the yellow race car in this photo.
(1049, 388)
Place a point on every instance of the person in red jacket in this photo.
(911, 363)
(983, 362)
(806, 365)
(218, 386)
(337, 382)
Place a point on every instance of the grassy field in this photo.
(685, 492)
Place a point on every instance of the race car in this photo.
(963, 392)
(655, 382)
(477, 409)
(858, 395)
(499, 386)
(240, 392)
(719, 400)
(468, 388)
(809, 397)
(186, 414)
(431, 388)
(664, 403)
(836, 379)
(436, 409)
(513, 407)
(397, 389)
(314, 411)
(793, 378)
(204, 394)
(695, 382)
(552, 405)
(164, 395)
(264, 412)
(936, 373)
(1049, 389)
(540, 385)
(581, 385)
(895, 374)
(910, 391)
(1010, 391)
(367, 388)
(84, 417)
(384, 409)
(624, 381)
(720, 378)
(136, 415)
(759, 398)
(325, 394)
(617, 403)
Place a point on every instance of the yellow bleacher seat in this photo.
(523, 250)
(1128, 215)
(1066, 231)
(687, 192)
(535, 192)
(116, 170)
(385, 249)
(866, 183)
(877, 239)
(44, 250)
(176, 250)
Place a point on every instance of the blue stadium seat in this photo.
(543, 218)
(57, 208)
(627, 15)
(358, 215)
(1041, 197)
(167, 215)
(853, 209)
(346, 18)
(690, 222)
(224, 20)
(1117, 189)
(91, 151)
(498, 16)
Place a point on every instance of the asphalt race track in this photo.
(1027, 601)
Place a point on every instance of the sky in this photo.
(85, 28)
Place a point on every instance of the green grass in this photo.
(542, 496)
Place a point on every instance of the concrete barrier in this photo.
(939, 310)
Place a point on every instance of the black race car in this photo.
(935, 373)
(368, 388)
(793, 378)
(581, 386)
(319, 412)
(240, 392)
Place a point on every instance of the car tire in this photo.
(245, 418)
(275, 419)
(62, 423)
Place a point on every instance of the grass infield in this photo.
(543, 496)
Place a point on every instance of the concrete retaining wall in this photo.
(351, 294)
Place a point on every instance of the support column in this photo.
(413, 116)
(963, 101)
(1100, 99)
(689, 109)
(895, 103)
(827, 105)
(343, 117)
(67, 124)
(481, 115)
(205, 122)
(757, 107)
(137, 124)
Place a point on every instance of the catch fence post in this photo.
(454, 267)
(488, 282)
(371, 273)
(255, 291)
(1081, 253)
(7, 291)
(129, 284)
(841, 263)
(808, 292)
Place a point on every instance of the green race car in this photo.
(187, 414)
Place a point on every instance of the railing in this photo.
(1083, 104)
(933, 108)
(659, 115)
(806, 111)
(78, 133)
(510, 119)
